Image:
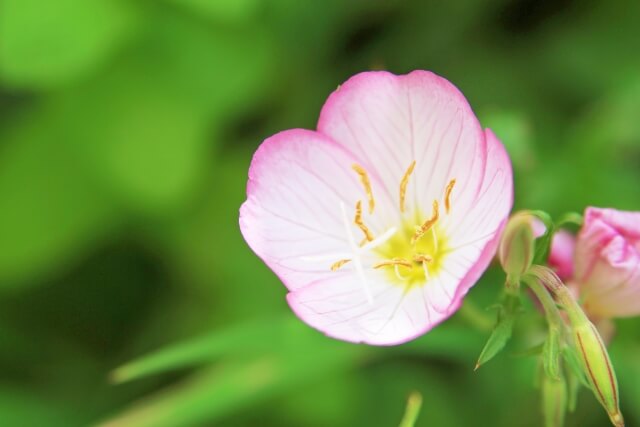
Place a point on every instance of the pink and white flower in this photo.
(607, 263)
(379, 222)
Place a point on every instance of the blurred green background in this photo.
(126, 131)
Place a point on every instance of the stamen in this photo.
(403, 184)
(356, 255)
(394, 261)
(360, 223)
(336, 265)
(420, 231)
(422, 258)
(447, 195)
(364, 178)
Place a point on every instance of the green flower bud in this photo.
(554, 401)
(590, 349)
(597, 366)
(517, 246)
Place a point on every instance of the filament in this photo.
(395, 261)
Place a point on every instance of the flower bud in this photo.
(597, 366)
(554, 401)
(517, 246)
(591, 351)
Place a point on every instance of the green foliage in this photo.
(45, 44)
(127, 295)
(508, 312)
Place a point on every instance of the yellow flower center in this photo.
(414, 252)
(410, 262)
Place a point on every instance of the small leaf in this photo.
(501, 334)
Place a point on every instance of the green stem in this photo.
(412, 411)
(548, 304)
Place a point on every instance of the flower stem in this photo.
(554, 319)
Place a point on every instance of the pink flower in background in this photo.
(562, 249)
(379, 222)
(607, 263)
(561, 256)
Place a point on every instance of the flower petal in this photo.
(624, 222)
(302, 182)
(607, 262)
(338, 307)
(292, 217)
(613, 288)
(389, 121)
(475, 235)
(600, 227)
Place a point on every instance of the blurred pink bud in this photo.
(607, 262)
(561, 256)
(562, 250)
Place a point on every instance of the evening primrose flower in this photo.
(379, 222)
(607, 263)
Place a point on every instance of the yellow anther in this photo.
(422, 258)
(395, 261)
(336, 265)
(447, 195)
(420, 231)
(403, 184)
(360, 223)
(364, 178)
